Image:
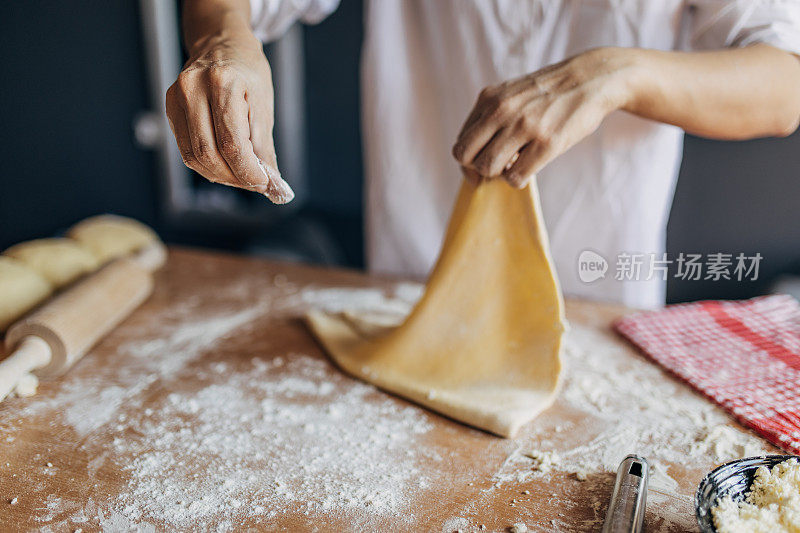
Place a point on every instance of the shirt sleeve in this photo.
(718, 24)
(271, 18)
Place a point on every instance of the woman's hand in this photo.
(519, 126)
(221, 113)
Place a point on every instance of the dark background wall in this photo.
(737, 197)
(334, 131)
(71, 82)
(73, 79)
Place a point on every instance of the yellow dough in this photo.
(482, 345)
(59, 261)
(21, 288)
(110, 236)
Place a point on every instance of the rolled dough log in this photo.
(59, 261)
(108, 237)
(482, 345)
(21, 288)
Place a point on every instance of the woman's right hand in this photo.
(221, 112)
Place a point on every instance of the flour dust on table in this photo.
(263, 449)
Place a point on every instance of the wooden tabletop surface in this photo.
(212, 408)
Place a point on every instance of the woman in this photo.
(592, 96)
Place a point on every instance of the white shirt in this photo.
(423, 65)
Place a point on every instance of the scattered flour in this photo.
(267, 450)
(188, 340)
(661, 420)
(771, 506)
(543, 461)
(369, 299)
(455, 524)
(724, 443)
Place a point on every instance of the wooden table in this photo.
(213, 408)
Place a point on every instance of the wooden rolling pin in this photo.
(51, 339)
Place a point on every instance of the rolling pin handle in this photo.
(31, 353)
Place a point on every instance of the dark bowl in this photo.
(732, 478)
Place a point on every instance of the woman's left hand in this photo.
(519, 126)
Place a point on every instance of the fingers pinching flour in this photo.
(278, 191)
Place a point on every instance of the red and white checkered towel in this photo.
(743, 355)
